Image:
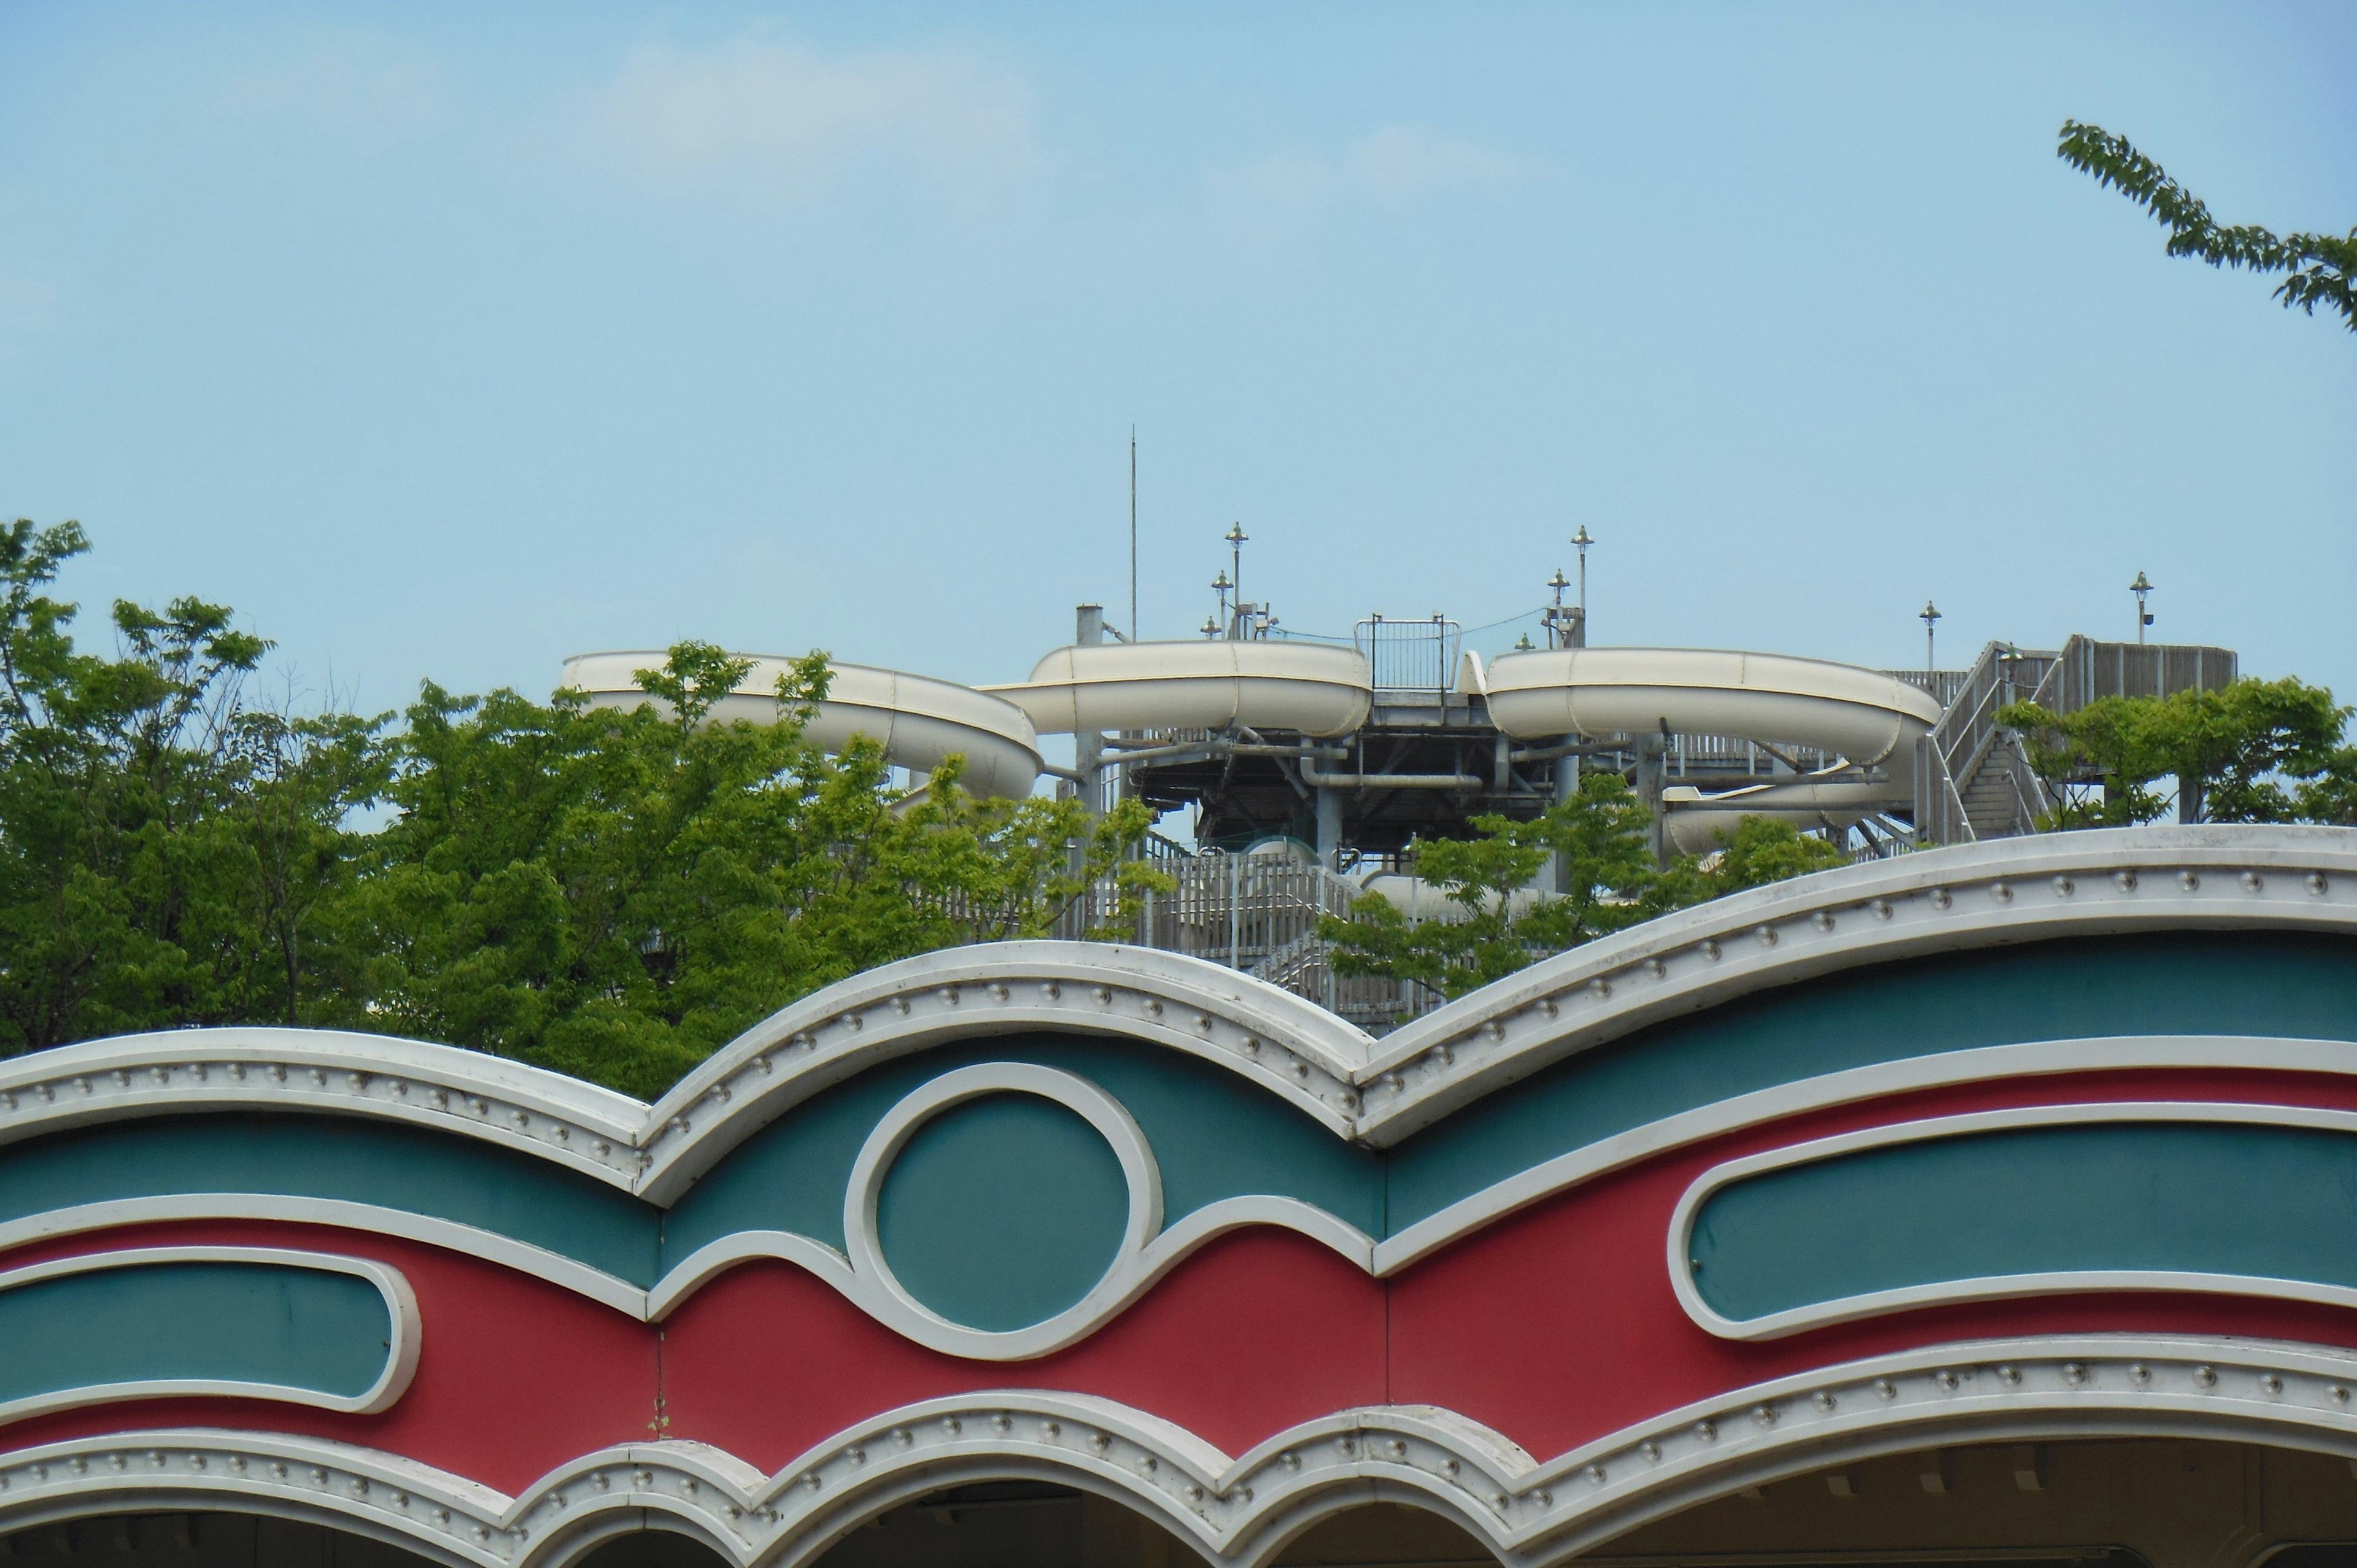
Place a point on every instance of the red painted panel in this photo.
(1558, 1326)
(1259, 1331)
(1555, 1326)
(514, 1377)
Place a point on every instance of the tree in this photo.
(611, 893)
(615, 894)
(165, 848)
(2253, 751)
(2317, 268)
(1496, 924)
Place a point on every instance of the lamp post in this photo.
(1930, 616)
(2143, 617)
(1579, 628)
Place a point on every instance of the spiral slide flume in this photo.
(1307, 688)
(919, 721)
(1870, 719)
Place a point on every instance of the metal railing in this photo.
(1410, 655)
(1969, 756)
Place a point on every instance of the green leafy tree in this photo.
(1495, 923)
(604, 892)
(166, 850)
(1756, 851)
(616, 893)
(2253, 751)
(2317, 268)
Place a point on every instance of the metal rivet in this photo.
(1104, 993)
(2272, 1384)
(2205, 1376)
(1825, 1399)
(2008, 1375)
(2253, 882)
(2139, 1373)
(1945, 1378)
(1547, 1008)
(1652, 1450)
(1765, 935)
(1603, 987)
(2000, 892)
(1943, 897)
(1885, 1388)
(2064, 887)
(1052, 991)
(1596, 1474)
(1706, 1429)
(1823, 919)
(2189, 881)
(2126, 881)
(2315, 882)
(2073, 1373)
(1152, 1007)
(1710, 950)
(1882, 910)
(1765, 1414)
(998, 992)
(950, 1426)
(1292, 1460)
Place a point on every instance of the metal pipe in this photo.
(1313, 774)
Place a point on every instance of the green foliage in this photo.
(1496, 924)
(166, 850)
(604, 892)
(2254, 751)
(1758, 851)
(2319, 268)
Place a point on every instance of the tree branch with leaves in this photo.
(2317, 268)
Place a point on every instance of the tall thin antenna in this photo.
(1133, 636)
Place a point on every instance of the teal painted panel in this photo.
(220, 1322)
(1002, 1211)
(2201, 1197)
(361, 1161)
(1214, 1134)
(2273, 984)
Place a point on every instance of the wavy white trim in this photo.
(557, 1269)
(401, 1347)
(1137, 1270)
(1238, 1511)
(2001, 1287)
(1944, 1069)
(2008, 890)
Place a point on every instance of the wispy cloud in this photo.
(770, 119)
(1395, 166)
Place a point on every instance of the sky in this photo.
(444, 341)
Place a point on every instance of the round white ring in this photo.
(1113, 1122)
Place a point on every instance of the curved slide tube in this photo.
(1307, 688)
(918, 720)
(1871, 719)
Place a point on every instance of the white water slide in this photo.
(1869, 721)
(916, 719)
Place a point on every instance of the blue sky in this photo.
(447, 340)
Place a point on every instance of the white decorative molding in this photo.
(1239, 1512)
(443, 1087)
(1145, 1252)
(1907, 1075)
(2004, 891)
(2090, 883)
(2001, 1287)
(1286, 1045)
(341, 1213)
(401, 1347)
